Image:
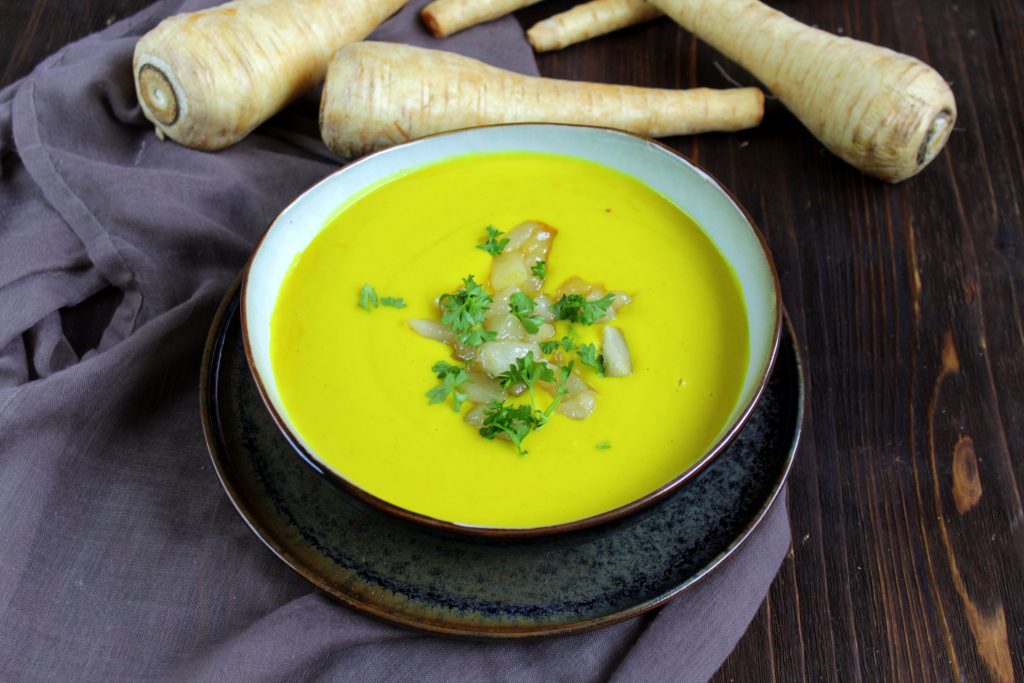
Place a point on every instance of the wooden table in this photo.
(909, 303)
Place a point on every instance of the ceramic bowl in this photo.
(724, 221)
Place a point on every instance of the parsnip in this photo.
(445, 17)
(208, 78)
(886, 113)
(589, 20)
(379, 94)
(578, 406)
(617, 361)
(496, 356)
(432, 329)
(529, 242)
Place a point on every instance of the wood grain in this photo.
(906, 496)
(32, 30)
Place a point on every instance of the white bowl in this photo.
(692, 189)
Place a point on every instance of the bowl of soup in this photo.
(512, 330)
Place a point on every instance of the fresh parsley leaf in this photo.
(458, 398)
(589, 356)
(540, 269)
(475, 336)
(526, 370)
(466, 307)
(603, 445)
(463, 312)
(438, 393)
(549, 346)
(492, 245)
(521, 306)
(562, 388)
(367, 298)
(445, 369)
(517, 421)
(514, 421)
(451, 376)
(575, 308)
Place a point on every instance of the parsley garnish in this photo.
(464, 313)
(590, 357)
(517, 421)
(603, 445)
(527, 371)
(549, 346)
(575, 308)
(521, 306)
(540, 269)
(451, 377)
(492, 245)
(561, 390)
(476, 336)
(368, 297)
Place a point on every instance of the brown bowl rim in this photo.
(520, 532)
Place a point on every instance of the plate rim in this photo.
(213, 348)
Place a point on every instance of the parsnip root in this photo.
(617, 361)
(378, 94)
(885, 113)
(445, 17)
(589, 20)
(208, 78)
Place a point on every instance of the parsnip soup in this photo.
(510, 340)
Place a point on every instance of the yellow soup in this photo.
(353, 381)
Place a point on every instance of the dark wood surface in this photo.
(906, 496)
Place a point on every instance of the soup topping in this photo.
(507, 340)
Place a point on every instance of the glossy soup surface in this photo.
(353, 381)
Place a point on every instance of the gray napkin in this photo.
(120, 557)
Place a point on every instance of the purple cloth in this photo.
(121, 558)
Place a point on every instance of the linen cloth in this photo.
(121, 558)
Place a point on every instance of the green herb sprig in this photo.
(589, 356)
(517, 421)
(514, 421)
(575, 308)
(368, 299)
(561, 389)
(549, 347)
(552, 345)
(492, 245)
(464, 311)
(527, 371)
(522, 307)
(451, 376)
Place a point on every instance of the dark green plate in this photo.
(411, 575)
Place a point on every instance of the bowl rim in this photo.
(644, 501)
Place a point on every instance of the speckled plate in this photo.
(461, 586)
